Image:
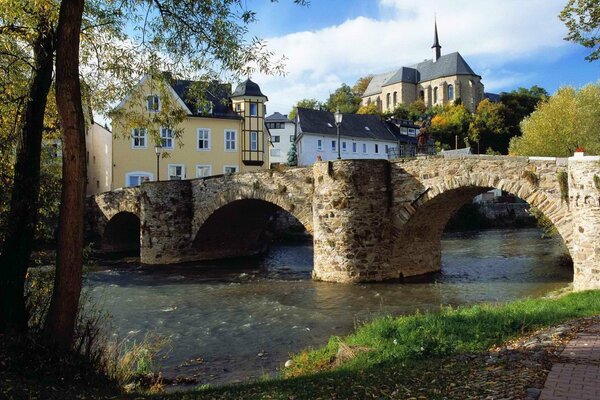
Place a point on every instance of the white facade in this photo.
(282, 132)
(310, 146)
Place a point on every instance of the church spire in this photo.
(437, 49)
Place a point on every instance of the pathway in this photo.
(577, 376)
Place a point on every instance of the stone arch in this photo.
(418, 229)
(241, 227)
(122, 234)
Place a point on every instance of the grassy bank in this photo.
(393, 353)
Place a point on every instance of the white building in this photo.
(282, 131)
(361, 137)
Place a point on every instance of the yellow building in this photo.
(220, 133)
(98, 144)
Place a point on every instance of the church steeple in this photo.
(437, 49)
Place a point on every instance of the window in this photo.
(230, 169)
(412, 132)
(422, 95)
(319, 144)
(275, 152)
(333, 147)
(376, 148)
(230, 140)
(387, 149)
(395, 98)
(166, 138)
(203, 171)
(238, 107)
(276, 139)
(354, 147)
(254, 141)
(205, 107)
(292, 139)
(137, 178)
(153, 103)
(176, 171)
(387, 100)
(344, 147)
(435, 95)
(203, 139)
(364, 148)
(450, 92)
(138, 138)
(97, 184)
(253, 109)
(275, 125)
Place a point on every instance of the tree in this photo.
(416, 110)
(312, 104)
(368, 109)
(488, 128)
(519, 104)
(564, 122)
(292, 156)
(33, 27)
(451, 125)
(582, 18)
(343, 99)
(361, 85)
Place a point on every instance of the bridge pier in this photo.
(351, 220)
(584, 201)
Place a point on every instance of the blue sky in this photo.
(510, 43)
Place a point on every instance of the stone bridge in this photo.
(371, 220)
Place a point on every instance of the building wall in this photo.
(279, 151)
(308, 148)
(185, 152)
(98, 143)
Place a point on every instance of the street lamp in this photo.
(338, 121)
(158, 149)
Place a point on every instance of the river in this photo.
(234, 321)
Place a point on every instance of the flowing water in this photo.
(240, 320)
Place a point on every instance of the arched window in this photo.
(450, 92)
(422, 95)
(434, 95)
(395, 98)
(387, 101)
(368, 101)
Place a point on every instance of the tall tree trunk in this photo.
(60, 322)
(16, 250)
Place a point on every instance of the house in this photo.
(219, 132)
(441, 80)
(283, 134)
(361, 137)
(98, 145)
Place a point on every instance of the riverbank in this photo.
(481, 351)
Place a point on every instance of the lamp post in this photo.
(158, 149)
(338, 121)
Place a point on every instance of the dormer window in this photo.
(329, 125)
(153, 103)
(367, 128)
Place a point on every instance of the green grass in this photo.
(411, 344)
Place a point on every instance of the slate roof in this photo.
(248, 88)
(446, 65)
(353, 125)
(277, 117)
(217, 93)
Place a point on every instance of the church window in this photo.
(435, 95)
(422, 95)
(450, 92)
(395, 98)
(387, 101)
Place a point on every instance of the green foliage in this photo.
(597, 182)
(370, 109)
(312, 104)
(418, 110)
(343, 99)
(453, 121)
(563, 184)
(582, 18)
(564, 122)
(361, 85)
(520, 103)
(488, 127)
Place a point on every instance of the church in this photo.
(441, 80)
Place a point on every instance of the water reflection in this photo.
(243, 319)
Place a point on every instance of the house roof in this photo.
(277, 117)
(446, 65)
(248, 88)
(215, 92)
(353, 125)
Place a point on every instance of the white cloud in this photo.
(490, 31)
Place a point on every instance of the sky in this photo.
(510, 43)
